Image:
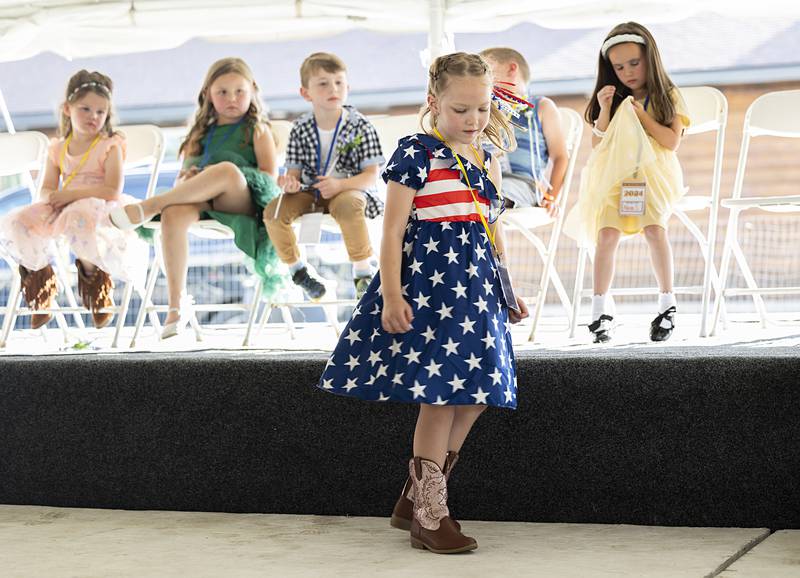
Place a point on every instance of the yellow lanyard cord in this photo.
(65, 181)
(472, 192)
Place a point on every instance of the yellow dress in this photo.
(625, 147)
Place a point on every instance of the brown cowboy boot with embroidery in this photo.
(403, 511)
(432, 528)
(97, 291)
(39, 288)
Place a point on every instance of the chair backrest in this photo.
(392, 128)
(572, 128)
(144, 144)
(22, 152)
(774, 114)
(707, 108)
(281, 130)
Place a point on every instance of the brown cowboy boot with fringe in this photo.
(39, 288)
(432, 528)
(403, 511)
(97, 292)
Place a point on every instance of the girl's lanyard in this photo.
(471, 190)
(65, 181)
(210, 135)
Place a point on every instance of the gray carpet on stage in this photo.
(696, 437)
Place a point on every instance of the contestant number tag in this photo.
(505, 286)
(310, 229)
(632, 198)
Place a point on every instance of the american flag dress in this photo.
(459, 350)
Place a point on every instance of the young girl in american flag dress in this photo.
(432, 328)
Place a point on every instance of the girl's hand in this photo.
(515, 317)
(60, 199)
(328, 187)
(605, 95)
(638, 109)
(397, 315)
(289, 183)
(187, 174)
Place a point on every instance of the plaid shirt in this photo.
(353, 157)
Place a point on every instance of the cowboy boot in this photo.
(432, 528)
(403, 511)
(39, 288)
(97, 292)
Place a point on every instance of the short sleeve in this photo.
(680, 107)
(115, 140)
(409, 165)
(294, 149)
(369, 149)
(54, 150)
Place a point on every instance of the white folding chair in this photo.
(773, 114)
(144, 146)
(211, 230)
(527, 219)
(708, 112)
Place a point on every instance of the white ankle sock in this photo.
(295, 267)
(598, 306)
(362, 268)
(665, 301)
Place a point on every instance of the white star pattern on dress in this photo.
(452, 256)
(451, 346)
(410, 152)
(382, 397)
(488, 340)
(481, 396)
(403, 178)
(421, 300)
(429, 335)
(412, 356)
(375, 333)
(327, 383)
(481, 252)
(395, 347)
(496, 376)
(508, 394)
(431, 245)
(473, 362)
(353, 363)
(481, 304)
(356, 311)
(496, 321)
(472, 270)
(438, 153)
(376, 310)
(416, 266)
(422, 174)
(351, 383)
(371, 380)
(446, 226)
(466, 325)
(457, 383)
(444, 312)
(418, 390)
(488, 287)
(461, 290)
(382, 368)
(374, 357)
(440, 401)
(464, 236)
(436, 278)
(352, 336)
(433, 369)
(390, 167)
(397, 379)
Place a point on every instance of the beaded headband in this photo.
(80, 87)
(620, 39)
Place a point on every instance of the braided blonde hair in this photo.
(498, 131)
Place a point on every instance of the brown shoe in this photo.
(432, 527)
(97, 292)
(39, 288)
(403, 511)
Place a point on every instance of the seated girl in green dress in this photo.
(229, 170)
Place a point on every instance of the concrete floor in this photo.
(62, 543)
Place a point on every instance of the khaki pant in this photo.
(347, 208)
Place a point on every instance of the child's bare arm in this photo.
(266, 153)
(110, 190)
(397, 314)
(668, 137)
(49, 181)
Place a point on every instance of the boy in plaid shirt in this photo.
(332, 161)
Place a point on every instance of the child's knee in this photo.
(608, 238)
(348, 205)
(179, 216)
(655, 233)
(231, 173)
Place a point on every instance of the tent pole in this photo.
(6, 114)
(437, 44)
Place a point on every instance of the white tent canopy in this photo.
(81, 28)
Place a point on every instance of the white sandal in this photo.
(119, 218)
(185, 312)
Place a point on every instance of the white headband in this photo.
(102, 87)
(619, 39)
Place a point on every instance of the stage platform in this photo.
(696, 432)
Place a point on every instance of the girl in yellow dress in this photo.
(632, 179)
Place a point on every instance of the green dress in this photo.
(250, 235)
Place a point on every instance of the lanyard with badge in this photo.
(66, 180)
(210, 135)
(633, 192)
(502, 270)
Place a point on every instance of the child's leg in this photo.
(605, 259)
(292, 206)
(660, 256)
(222, 184)
(175, 223)
(432, 433)
(465, 418)
(348, 209)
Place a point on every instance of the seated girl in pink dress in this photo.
(82, 182)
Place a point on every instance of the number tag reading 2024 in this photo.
(632, 198)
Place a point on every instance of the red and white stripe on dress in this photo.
(444, 197)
